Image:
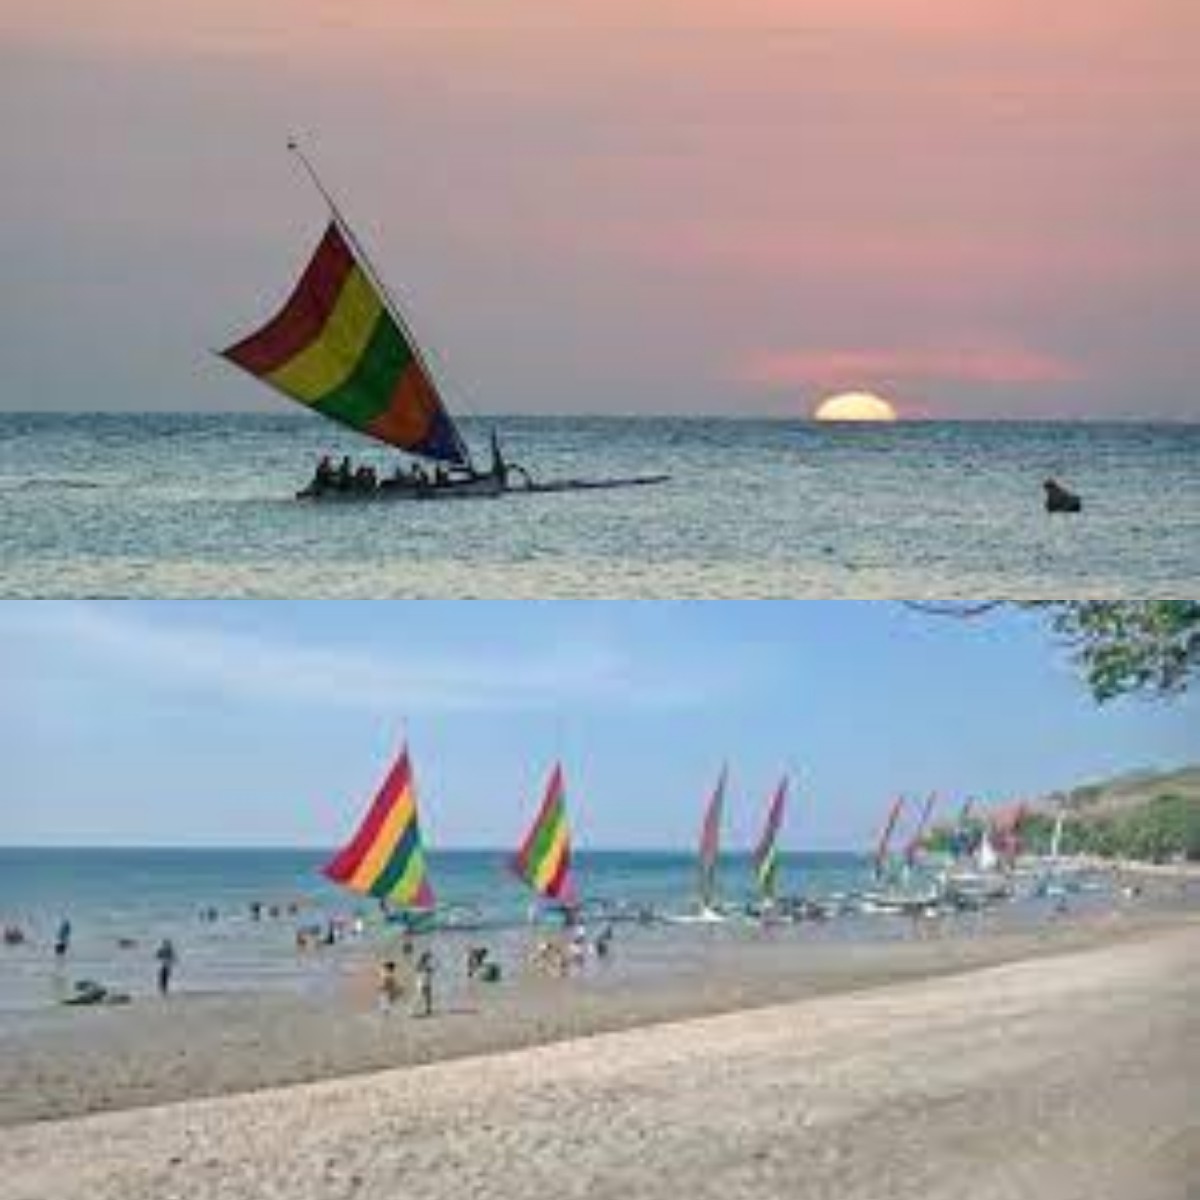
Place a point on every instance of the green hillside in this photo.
(1146, 815)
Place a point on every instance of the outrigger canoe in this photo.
(341, 347)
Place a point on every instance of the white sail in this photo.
(987, 859)
(1056, 838)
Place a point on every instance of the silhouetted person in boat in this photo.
(345, 474)
(323, 478)
(499, 466)
(1059, 500)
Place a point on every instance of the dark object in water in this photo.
(88, 992)
(1059, 500)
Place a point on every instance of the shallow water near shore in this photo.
(96, 505)
(122, 902)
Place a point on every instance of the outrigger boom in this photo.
(342, 347)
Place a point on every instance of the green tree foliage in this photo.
(1164, 828)
(1147, 647)
(1144, 647)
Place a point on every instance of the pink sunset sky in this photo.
(980, 209)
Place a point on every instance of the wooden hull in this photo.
(478, 487)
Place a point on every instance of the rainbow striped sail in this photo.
(544, 860)
(338, 348)
(710, 841)
(766, 853)
(885, 837)
(385, 858)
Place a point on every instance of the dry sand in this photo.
(1070, 1075)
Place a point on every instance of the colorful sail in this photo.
(885, 837)
(913, 846)
(1005, 828)
(337, 348)
(710, 841)
(385, 858)
(766, 853)
(544, 859)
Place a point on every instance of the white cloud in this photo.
(585, 667)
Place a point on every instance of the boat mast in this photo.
(394, 309)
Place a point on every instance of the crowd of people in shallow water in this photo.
(408, 974)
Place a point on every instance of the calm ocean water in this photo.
(147, 894)
(200, 506)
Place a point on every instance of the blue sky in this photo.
(271, 723)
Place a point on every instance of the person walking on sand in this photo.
(424, 985)
(167, 960)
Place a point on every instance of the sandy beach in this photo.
(60, 1062)
(1073, 1073)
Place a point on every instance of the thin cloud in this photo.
(584, 669)
(1006, 366)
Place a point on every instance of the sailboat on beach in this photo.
(341, 347)
(766, 853)
(895, 892)
(385, 859)
(543, 861)
(708, 909)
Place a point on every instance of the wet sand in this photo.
(1075, 1073)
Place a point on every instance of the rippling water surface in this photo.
(142, 895)
(200, 506)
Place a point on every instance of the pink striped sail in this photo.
(710, 841)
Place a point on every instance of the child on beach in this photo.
(389, 985)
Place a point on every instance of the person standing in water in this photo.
(62, 939)
(167, 960)
(424, 985)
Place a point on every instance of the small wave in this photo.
(29, 485)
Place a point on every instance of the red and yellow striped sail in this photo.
(544, 859)
(385, 858)
(337, 349)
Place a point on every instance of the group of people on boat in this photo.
(364, 480)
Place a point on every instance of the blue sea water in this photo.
(148, 894)
(99, 505)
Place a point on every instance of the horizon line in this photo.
(254, 847)
(732, 418)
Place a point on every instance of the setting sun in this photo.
(854, 406)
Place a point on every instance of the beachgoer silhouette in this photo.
(167, 959)
(424, 982)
